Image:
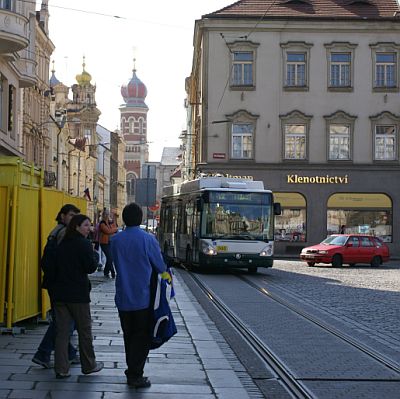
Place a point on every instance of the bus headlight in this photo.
(208, 249)
(267, 251)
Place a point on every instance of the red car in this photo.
(338, 249)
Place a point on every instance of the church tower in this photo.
(134, 130)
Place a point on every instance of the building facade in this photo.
(24, 58)
(309, 104)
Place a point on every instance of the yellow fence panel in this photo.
(26, 264)
(4, 217)
(51, 202)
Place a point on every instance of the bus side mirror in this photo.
(199, 205)
(277, 208)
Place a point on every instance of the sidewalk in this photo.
(192, 364)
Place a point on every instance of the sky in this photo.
(157, 33)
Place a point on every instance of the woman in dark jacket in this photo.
(71, 296)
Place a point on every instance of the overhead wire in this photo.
(246, 37)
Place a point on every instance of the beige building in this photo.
(36, 141)
(303, 95)
(25, 50)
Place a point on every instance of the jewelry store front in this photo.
(319, 202)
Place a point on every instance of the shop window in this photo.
(357, 213)
(290, 225)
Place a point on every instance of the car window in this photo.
(335, 240)
(378, 242)
(354, 241)
(366, 242)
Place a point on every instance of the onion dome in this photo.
(53, 80)
(84, 78)
(134, 92)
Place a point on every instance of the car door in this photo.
(366, 250)
(352, 250)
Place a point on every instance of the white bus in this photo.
(218, 222)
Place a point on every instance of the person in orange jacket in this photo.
(107, 228)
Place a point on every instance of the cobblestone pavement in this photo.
(365, 299)
(196, 363)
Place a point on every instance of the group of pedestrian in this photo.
(136, 256)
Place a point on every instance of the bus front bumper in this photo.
(235, 260)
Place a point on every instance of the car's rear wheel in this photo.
(311, 264)
(376, 261)
(337, 261)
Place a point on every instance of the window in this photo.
(242, 68)
(385, 66)
(295, 59)
(340, 73)
(242, 65)
(361, 213)
(242, 140)
(11, 102)
(384, 128)
(385, 142)
(131, 125)
(340, 56)
(339, 130)
(290, 225)
(339, 141)
(385, 70)
(295, 69)
(295, 141)
(6, 4)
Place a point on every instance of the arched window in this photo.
(290, 225)
(361, 213)
(131, 125)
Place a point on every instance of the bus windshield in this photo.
(240, 216)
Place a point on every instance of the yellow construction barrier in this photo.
(28, 211)
(51, 202)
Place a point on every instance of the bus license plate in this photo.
(222, 248)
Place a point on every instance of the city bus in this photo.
(218, 222)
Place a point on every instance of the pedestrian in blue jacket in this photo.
(136, 255)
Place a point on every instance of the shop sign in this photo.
(327, 179)
(219, 155)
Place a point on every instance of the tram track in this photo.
(288, 378)
(326, 327)
(289, 382)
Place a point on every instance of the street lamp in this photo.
(59, 120)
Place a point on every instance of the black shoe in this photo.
(139, 382)
(40, 362)
(99, 366)
(61, 376)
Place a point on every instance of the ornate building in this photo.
(36, 140)
(25, 49)
(74, 143)
(134, 130)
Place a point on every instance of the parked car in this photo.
(339, 249)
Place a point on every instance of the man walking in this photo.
(136, 254)
(46, 346)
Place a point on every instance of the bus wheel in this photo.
(252, 269)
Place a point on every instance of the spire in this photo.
(84, 78)
(134, 65)
(53, 80)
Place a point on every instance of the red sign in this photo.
(219, 155)
(155, 207)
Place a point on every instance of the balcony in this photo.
(13, 30)
(26, 70)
